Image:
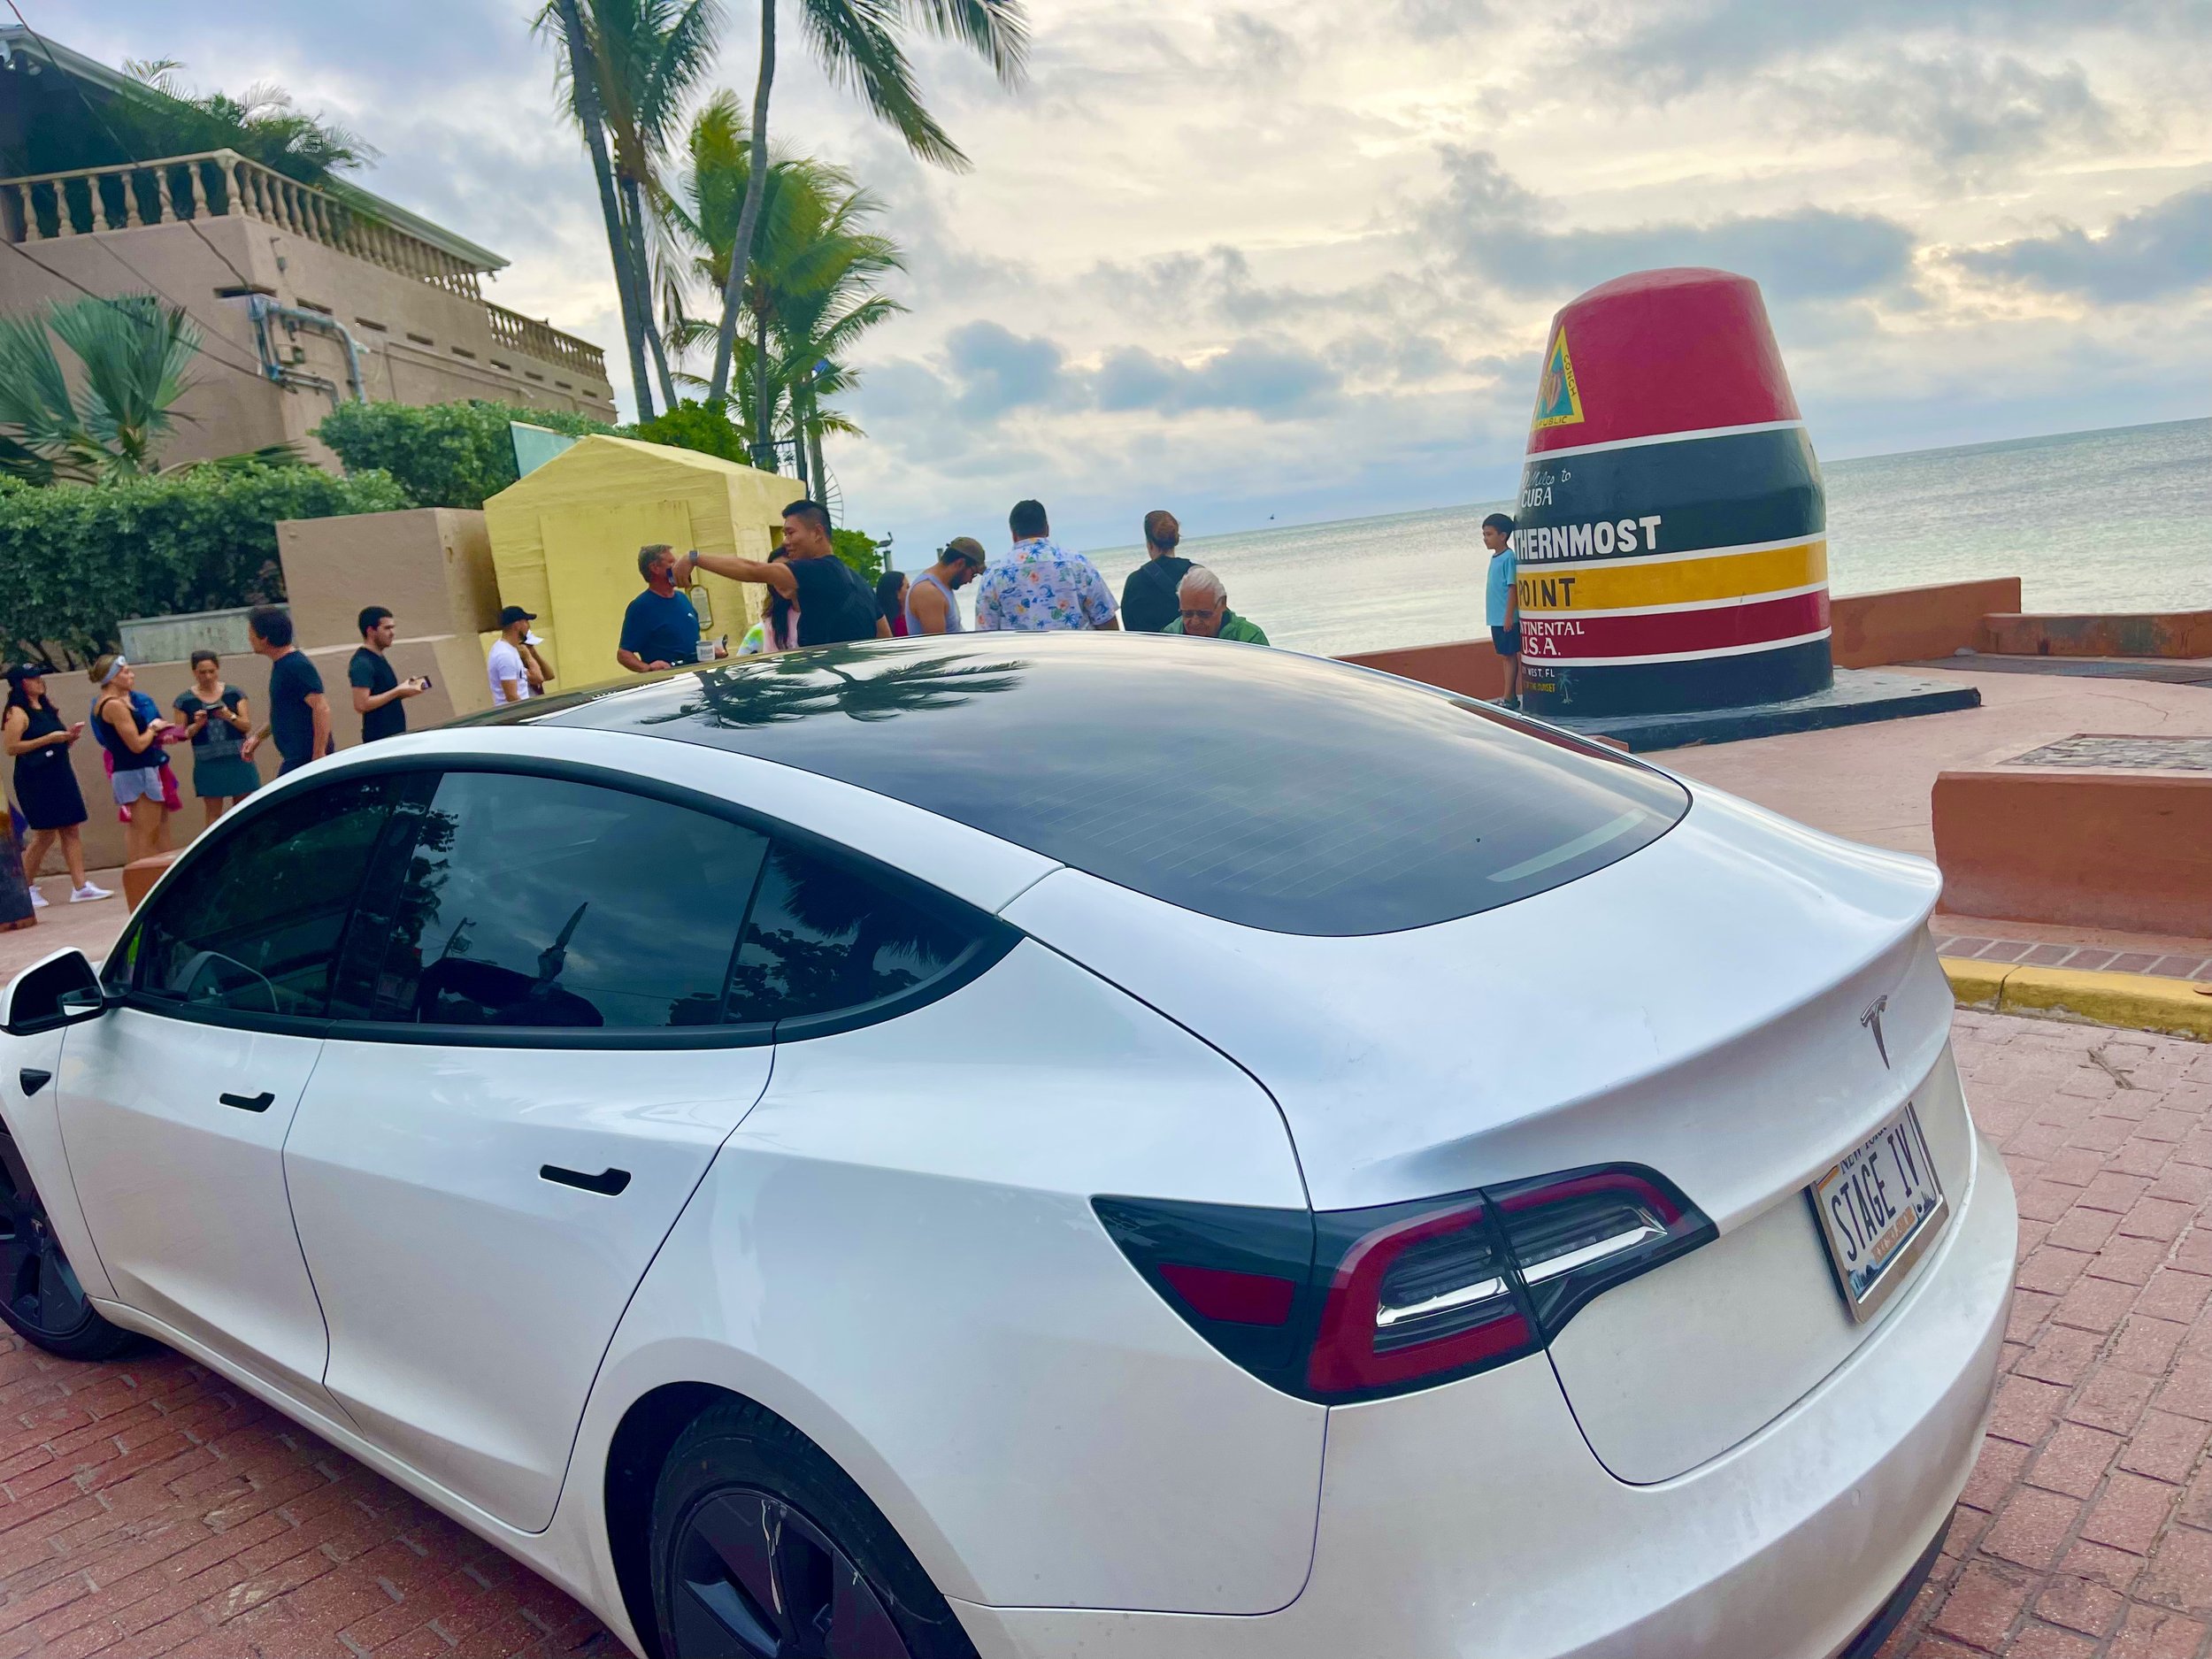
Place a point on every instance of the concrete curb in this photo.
(2131, 1001)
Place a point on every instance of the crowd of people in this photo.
(814, 598)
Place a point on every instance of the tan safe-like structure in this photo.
(565, 540)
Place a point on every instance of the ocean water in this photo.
(2118, 520)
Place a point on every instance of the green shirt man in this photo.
(1204, 604)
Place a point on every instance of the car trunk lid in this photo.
(1700, 1007)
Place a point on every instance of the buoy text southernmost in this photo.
(1673, 537)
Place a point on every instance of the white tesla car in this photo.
(1050, 1146)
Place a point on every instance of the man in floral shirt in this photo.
(1041, 585)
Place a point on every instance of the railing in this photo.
(219, 184)
(544, 341)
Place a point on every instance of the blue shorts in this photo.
(1507, 641)
(136, 783)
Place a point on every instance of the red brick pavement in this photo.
(150, 1508)
(2086, 1529)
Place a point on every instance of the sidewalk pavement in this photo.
(91, 927)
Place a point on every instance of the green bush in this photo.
(859, 549)
(442, 454)
(80, 558)
(704, 427)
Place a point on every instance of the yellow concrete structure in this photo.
(565, 540)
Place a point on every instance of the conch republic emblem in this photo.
(1672, 536)
(1558, 400)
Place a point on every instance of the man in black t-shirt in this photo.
(378, 692)
(1148, 604)
(836, 604)
(299, 714)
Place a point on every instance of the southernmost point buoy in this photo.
(1673, 537)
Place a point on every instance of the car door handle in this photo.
(607, 1183)
(261, 1102)
(33, 1079)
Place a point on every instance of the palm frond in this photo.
(994, 30)
(857, 43)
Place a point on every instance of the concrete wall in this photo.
(1910, 625)
(1470, 667)
(2154, 634)
(2122, 850)
(419, 344)
(430, 566)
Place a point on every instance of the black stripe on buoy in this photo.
(1708, 682)
(1738, 490)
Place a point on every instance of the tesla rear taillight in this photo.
(1354, 1304)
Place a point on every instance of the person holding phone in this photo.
(219, 718)
(45, 786)
(378, 692)
(508, 663)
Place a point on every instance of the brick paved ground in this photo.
(149, 1508)
(2087, 1527)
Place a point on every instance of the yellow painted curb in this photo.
(2133, 1002)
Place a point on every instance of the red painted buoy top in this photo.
(1685, 350)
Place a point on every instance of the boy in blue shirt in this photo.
(1502, 605)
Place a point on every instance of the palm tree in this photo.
(580, 61)
(261, 123)
(135, 355)
(651, 56)
(818, 325)
(858, 41)
(809, 291)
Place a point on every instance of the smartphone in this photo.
(426, 682)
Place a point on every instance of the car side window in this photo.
(537, 902)
(824, 937)
(252, 924)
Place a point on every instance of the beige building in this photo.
(304, 298)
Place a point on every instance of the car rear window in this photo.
(1263, 787)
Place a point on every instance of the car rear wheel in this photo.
(764, 1548)
(40, 1296)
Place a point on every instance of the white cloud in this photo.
(1237, 257)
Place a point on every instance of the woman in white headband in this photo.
(133, 741)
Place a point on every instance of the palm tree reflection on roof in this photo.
(805, 684)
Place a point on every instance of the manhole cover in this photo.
(2105, 754)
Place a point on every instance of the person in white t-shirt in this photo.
(510, 660)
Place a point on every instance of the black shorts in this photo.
(1507, 641)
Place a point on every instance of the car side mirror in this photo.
(63, 990)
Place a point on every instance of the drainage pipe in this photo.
(260, 307)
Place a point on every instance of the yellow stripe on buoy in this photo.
(1572, 589)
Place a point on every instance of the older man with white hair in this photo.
(1204, 604)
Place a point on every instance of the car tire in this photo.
(762, 1546)
(40, 1296)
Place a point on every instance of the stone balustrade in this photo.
(221, 184)
(545, 342)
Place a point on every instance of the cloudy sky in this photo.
(1279, 257)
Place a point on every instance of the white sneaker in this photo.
(87, 892)
(38, 899)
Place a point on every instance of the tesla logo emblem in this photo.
(1872, 1020)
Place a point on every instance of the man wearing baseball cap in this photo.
(930, 606)
(512, 665)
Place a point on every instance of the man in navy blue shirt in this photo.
(299, 713)
(659, 629)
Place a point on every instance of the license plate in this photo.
(1878, 1208)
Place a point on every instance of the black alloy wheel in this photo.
(756, 1579)
(762, 1547)
(39, 1293)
